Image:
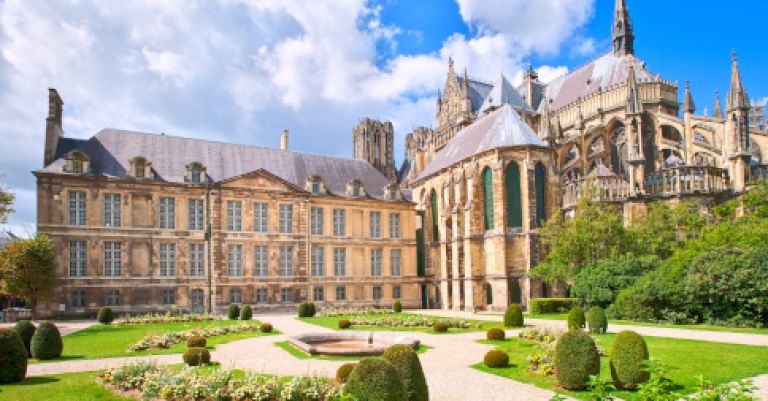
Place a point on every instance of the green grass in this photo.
(65, 387)
(333, 324)
(108, 341)
(298, 353)
(687, 359)
(700, 327)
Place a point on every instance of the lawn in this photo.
(701, 327)
(298, 353)
(107, 341)
(332, 322)
(65, 387)
(687, 359)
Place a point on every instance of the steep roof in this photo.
(499, 129)
(111, 150)
(478, 91)
(503, 93)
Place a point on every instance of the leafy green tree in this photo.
(26, 268)
(665, 228)
(600, 283)
(6, 201)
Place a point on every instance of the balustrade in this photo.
(683, 180)
(604, 189)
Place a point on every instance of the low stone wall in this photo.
(371, 343)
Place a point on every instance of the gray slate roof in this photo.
(111, 150)
(504, 93)
(478, 91)
(499, 129)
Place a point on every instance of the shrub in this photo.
(496, 359)
(105, 316)
(576, 319)
(407, 363)
(440, 327)
(26, 330)
(306, 309)
(205, 356)
(265, 328)
(246, 313)
(628, 358)
(576, 358)
(344, 324)
(552, 305)
(191, 357)
(233, 312)
(46, 343)
(513, 317)
(397, 307)
(598, 323)
(312, 309)
(196, 341)
(599, 283)
(375, 379)
(495, 334)
(342, 374)
(13, 357)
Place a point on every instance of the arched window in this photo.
(541, 194)
(488, 197)
(433, 202)
(514, 198)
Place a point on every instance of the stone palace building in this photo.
(142, 221)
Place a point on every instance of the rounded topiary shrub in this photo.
(312, 309)
(344, 324)
(598, 323)
(306, 309)
(342, 374)
(196, 341)
(513, 317)
(495, 334)
(105, 315)
(205, 356)
(46, 343)
(191, 357)
(407, 363)
(576, 319)
(375, 379)
(628, 358)
(576, 358)
(26, 330)
(233, 312)
(440, 327)
(13, 357)
(496, 359)
(246, 313)
(397, 307)
(265, 328)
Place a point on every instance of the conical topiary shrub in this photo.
(513, 317)
(407, 363)
(105, 316)
(246, 313)
(397, 307)
(598, 323)
(26, 330)
(233, 312)
(576, 319)
(628, 358)
(13, 357)
(46, 343)
(576, 358)
(375, 379)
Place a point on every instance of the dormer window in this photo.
(196, 173)
(355, 189)
(315, 185)
(392, 193)
(141, 168)
(76, 162)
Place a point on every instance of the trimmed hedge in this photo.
(246, 313)
(344, 324)
(576, 358)
(265, 328)
(407, 363)
(598, 323)
(105, 315)
(576, 319)
(496, 359)
(513, 317)
(13, 357)
(26, 330)
(196, 341)
(307, 309)
(233, 312)
(440, 327)
(205, 356)
(342, 374)
(628, 358)
(46, 343)
(495, 334)
(375, 379)
(397, 307)
(552, 305)
(191, 357)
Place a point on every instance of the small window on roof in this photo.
(196, 173)
(140, 167)
(315, 185)
(355, 189)
(76, 162)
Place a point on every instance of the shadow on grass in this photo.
(36, 380)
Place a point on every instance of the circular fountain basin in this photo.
(350, 343)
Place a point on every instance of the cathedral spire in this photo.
(623, 34)
(718, 113)
(737, 97)
(688, 105)
(545, 129)
(634, 105)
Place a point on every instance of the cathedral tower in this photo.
(623, 34)
(373, 141)
(737, 130)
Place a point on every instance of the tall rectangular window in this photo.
(77, 258)
(112, 259)
(261, 261)
(167, 260)
(341, 293)
(375, 262)
(260, 217)
(77, 299)
(286, 260)
(235, 296)
(112, 298)
(196, 214)
(169, 296)
(196, 260)
(112, 210)
(318, 294)
(318, 261)
(376, 292)
(396, 292)
(234, 216)
(340, 262)
(235, 260)
(394, 225)
(77, 208)
(375, 224)
(394, 260)
(261, 295)
(287, 294)
(316, 221)
(167, 213)
(286, 219)
(339, 223)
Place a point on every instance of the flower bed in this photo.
(333, 312)
(540, 335)
(166, 340)
(409, 321)
(148, 381)
(164, 318)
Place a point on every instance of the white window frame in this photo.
(112, 210)
(316, 221)
(167, 213)
(340, 262)
(112, 297)
(339, 222)
(167, 259)
(318, 294)
(77, 208)
(286, 261)
(286, 219)
(376, 262)
(235, 260)
(78, 258)
(396, 292)
(262, 295)
(234, 215)
(196, 260)
(394, 225)
(168, 296)
(112, 262)
(317, 261)
(261, 261)
(260, 217)
(196, 214)
(77, 299)
(375, 222)
(286, 291)
(377, 293)
(235, 296)
(343, 291)
(395, 262)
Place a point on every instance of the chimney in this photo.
(53, 128)
(284, 140)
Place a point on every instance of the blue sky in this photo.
(243, 70)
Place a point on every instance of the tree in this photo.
(598, 284)
(665, 228)
(26, 268)
(6, 200)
